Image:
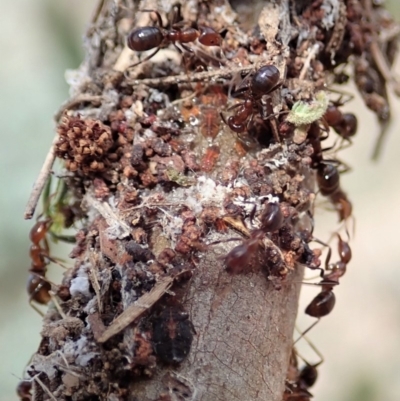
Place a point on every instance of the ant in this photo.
(265, 80)
(150, 37)
(338, 269)
(324, 302)
(308, 375)
(328, 175)
(294, 388)
(239, 256)
(328, 179)
(38, 287)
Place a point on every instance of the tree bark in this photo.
(150, 311)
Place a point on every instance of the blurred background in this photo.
(39, 40)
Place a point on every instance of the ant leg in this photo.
(273, 123)
(321, 283)
(313, 347)
(342, 93)
(235, 106)
(223, 118)
(32, 305)
(327, 259)
(345, 167)
(146, 58)
(346, 143)
(44, 279)
(159, 19)
(275, 115)
(250, 122)
(46, 247)
(187, 48)
(346, 229)
(57, 261)
(57, 305)
(306, 331)
(328, 256)
(252, 213)
(180, 24)
(176, 14)
(69, 239)
(225, 240)
(236, 82)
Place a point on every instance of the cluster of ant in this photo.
(254, 95)
(327, 171)
(300, 381)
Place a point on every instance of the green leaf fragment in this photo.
(303, 113)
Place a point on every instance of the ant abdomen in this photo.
(328, 179)
(322, 304)
(272, 218)
(333, 116)
(348, 126)
(265, 80)
(38, 289)
(308, 375)
(239, 257)
(145, 38)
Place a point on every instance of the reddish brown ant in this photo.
(328, 179)
(295, 390)
(321, 305)
(38, 287)
(324, 302)
(298, 382)
(342, 204)
(328, 175)
(239, 257)
(265, 80)
(150, 37)
(308, 375)
(338, 269)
